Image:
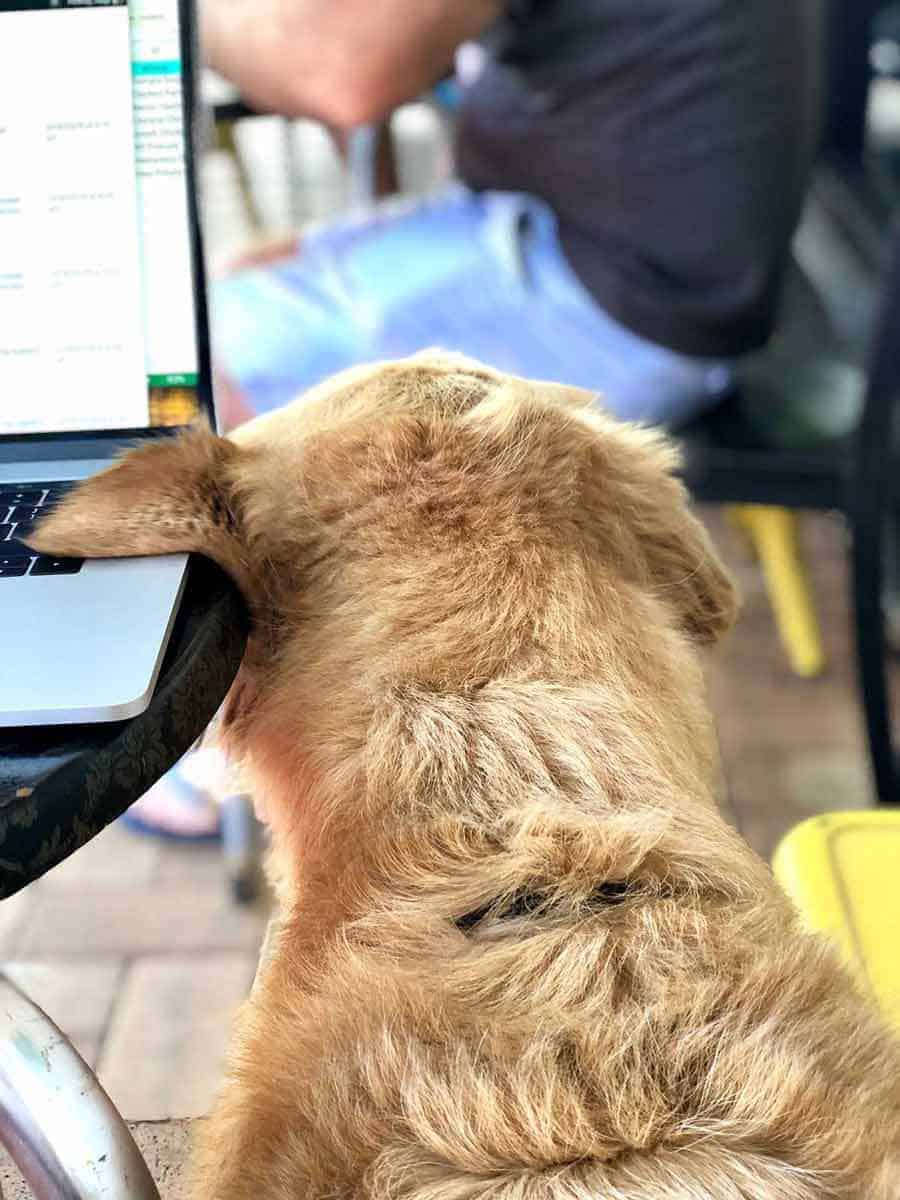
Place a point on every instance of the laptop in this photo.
(103, 333)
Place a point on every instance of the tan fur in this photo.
(474, 670)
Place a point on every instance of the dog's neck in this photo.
(421, 769)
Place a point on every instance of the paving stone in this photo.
(773, 792)
(164, 1145)
(77, 995)
(200, 864)
(757, 796)
(182, 863)
(758, 702)
(164, 1053)
(825, 781)
(150, 920)
(114, 857)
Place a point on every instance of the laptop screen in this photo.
(97, 320)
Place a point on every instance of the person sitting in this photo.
(629, 179)
(630, 176)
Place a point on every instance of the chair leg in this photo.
(242, 847)
(871, 648)
(58, 1125)
(226, 142)
(773, 533)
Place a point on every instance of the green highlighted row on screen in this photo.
(165, 66)
(167, 381)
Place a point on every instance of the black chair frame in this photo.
(855, 477)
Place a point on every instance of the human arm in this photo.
(343, 62)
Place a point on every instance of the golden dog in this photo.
(520, 954)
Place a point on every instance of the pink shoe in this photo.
(184, 804)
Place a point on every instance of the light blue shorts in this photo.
(480, 273)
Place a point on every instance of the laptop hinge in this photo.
(57, 449)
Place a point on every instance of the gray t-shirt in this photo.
(673, 139)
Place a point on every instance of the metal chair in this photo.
(728, 461)
(59, 1126)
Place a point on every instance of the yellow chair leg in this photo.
(774, 535)
(734, 519)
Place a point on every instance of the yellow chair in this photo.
(773, 534)
(842, 870)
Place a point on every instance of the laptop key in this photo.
(10, 543)
(58, 491)
(57, 566)
(24, 512)
(20, 495)
(14, 568)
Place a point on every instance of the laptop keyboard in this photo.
(21, 505)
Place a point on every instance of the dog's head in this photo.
(429, 519)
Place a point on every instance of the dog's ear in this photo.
(625, 485)
(686, 569)
(634, 490)
(175, 494)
